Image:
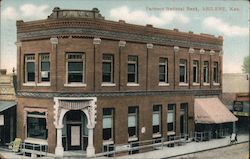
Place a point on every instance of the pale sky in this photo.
(228, 18)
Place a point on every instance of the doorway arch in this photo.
(62, 105)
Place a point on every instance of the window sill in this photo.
(163, 84)
(156, 135)
(171, 133)
(206, 84)
(36, 141)
(133, 84)
(183, 84)
(43, 84)
(75, 85)
(132, 139)
(216, 84)
(196, 84)
(108, 84)
(29, 84)
(108, 142)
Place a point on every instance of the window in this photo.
(163, 70)
(156, 119)
(29, 68)
(216, 79)
(206, 72)
(44, 68)
(171, 117)
(107, 68)
(37, 125)
(107, 123)
(195, 71)
(132, 122)
(183, 71)
(184, 118)
(75, 67)
(132, 69)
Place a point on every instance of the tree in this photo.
(245, 67)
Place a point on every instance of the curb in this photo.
(206, 149)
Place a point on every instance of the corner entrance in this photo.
(75, 132)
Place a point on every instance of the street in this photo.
(238, 151)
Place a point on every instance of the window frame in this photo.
(76, 60)
(135, 63)
(40, 67)
(196, 74)
(26, 61)
(173, 111)
(185, 71)
(216, 71)
(206, 75)
(163, 62)
(111, 61)
(111, 139)
(135, 114)
(159, 112)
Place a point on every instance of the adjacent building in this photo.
(85, 82)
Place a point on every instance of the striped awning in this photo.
(212, 111)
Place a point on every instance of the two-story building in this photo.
(85, 82)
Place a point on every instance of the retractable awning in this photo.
(6, 105)
(212, 111)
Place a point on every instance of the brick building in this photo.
(85, 82)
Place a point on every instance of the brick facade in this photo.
(35, 38)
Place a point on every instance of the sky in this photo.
(227, 18)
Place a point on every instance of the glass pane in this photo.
(45, 66)
(106, 77)
(31, 77)
(162, 78)
(131, 121)
(132, 110)
(171, 106)
(131, 78)
(156, 129)
(107, 134)
(170, 126)
(107, 111)
(162, 69)
(75, 66)
(30, 67)
(131, 68)
(36, 128)
(194, 74)
(156, 119)
(132, 131)
(107, 122)
(170, 117)
(75, 77)
(106, 67)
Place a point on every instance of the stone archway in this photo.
(64, 104)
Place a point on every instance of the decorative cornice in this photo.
(113, 94)
(114, 35)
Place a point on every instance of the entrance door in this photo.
(74, 132)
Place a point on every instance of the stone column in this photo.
(90, 148)
(59, 148)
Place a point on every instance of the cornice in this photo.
(115, 94)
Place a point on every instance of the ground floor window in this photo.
(37, 125)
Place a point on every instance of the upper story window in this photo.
(107, 123)
(44, 68)
(132, 122)
(156, 119)
(206, 72)
(171, 117)
(107, 68)
(183, 71)
(29, 68)
(75, 67)
(163, 70)
(132, 69)
(215, 75)
(195, 71)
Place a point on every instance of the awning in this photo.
(212, 111)
(6, 105)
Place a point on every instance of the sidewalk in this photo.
(166, 152)
(191, 147)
